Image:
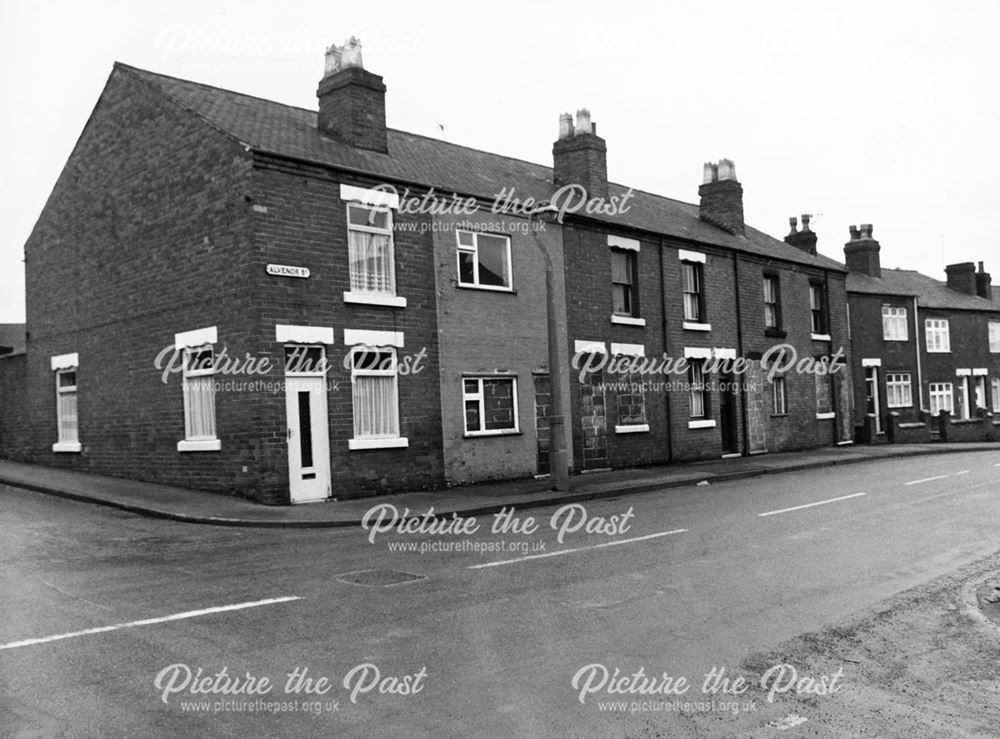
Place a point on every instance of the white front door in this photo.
(874, 403)
(308, 439)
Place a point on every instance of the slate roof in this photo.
(12, 339)
(287, 131)
(930, 293)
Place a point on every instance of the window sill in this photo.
(486, 288)
(628, 320)
(886, 338)
(825, 416)
(708, 423)
(199, 445)
(487, 434)
(396, 443)
(636, 429)
(390, 301)
(695, 326)
(820, 337)
(775, 333)
(939, 351)
(66, 446)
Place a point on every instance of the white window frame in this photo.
(474, 250)
(775, 301)
(894, 323)
(994, 336)
(697, 273)
(698, 391)
(995, 394)
(380, 441)
(978, 393)
(66, 441)
(479, 396)
(779, 409)
(938, 335)
(205, 442)
(817, 307)
(899, 391)
(373, 297)
(938, 392)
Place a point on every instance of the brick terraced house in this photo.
(922, 347)
(237, 295)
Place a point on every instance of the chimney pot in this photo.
(794, 223)
(727, 170)
(855, 233)
(565, 125)
(806, 217)
(583, 123)
(804, 239)
(711, 173)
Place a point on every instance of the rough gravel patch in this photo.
(925, 663)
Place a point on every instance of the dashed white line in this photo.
(811, 505)
(963, 472)
(925, 479)
(561, 552)
(148, 621)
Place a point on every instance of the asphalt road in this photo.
(485, 643)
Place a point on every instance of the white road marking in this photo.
(576, 549)
(810, 505)
(789, 722)
(925, 479)
(148, 621)
(963, 472)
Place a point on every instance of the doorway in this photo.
(307, 426)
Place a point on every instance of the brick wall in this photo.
(305, 224)
(14, 421)
(494, 332)
(588, 310)
(143, 236)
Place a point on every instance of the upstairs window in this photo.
(817, 308)
(772, 302)
(623, 283)
(938, 337)
(995, 337)
(483, 260)
(894, 323)
(691, 284)
(370, 250)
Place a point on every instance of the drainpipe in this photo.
(916, 346)
(663, 321)
(744, 427)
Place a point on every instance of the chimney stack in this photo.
(722, 197)
(351, 99)
(962, 277)
(580, 156)
(984, 283)
(804, 239)
(861, 253)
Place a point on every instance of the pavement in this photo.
(194, 506)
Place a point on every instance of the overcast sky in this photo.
(868, 112)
